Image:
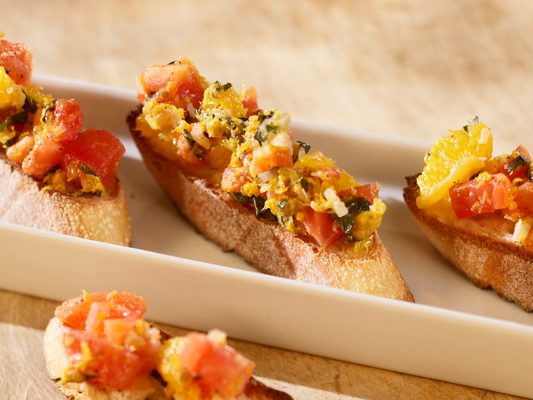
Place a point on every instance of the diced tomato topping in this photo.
(487, 193)
(46, 154)
(111, 365)
(16, 58)
(216, 366)
(250, 101)
(524, 202)
(272, 157)
(194, 156)
(99, 150)
(330, 174)
(234, 178)
(369, 192)
(68, 121)
(20, 150)
(74, 312)
(176, 83)
(517, 172)
(322, 227)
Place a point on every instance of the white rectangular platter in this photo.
(455, 332)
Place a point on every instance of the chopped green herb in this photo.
(356, 205)
(346, 224)
(261, 137)
(304, 183)
(189, 138)
(518, 161)
(258, 202)
(87, 170)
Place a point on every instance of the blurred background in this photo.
(408, 68)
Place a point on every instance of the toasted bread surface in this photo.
(265, 244)
(145, 388)
(479, 247)
(24, 201)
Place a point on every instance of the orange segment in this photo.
(453, 159)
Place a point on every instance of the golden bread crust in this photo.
(480, 250)
(24, 202)
(265, 244)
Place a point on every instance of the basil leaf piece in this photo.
(260, 136)
(260, 210)
(304, 183)
(302, 145)
(87, 170)
(188, 138)
(241, 198)
(258, 202)
(518, 161)
(346, 224)
(3, 126)
(356, 205)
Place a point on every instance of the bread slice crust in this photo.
(265, 244)
(480, 248)
(24, 201)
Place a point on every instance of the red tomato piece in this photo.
(74, 312)
(272, 157)
(20, 150)
(219, 367)
(188, 155)
(322, 227)
(46, 154)
(250, 101)
(234, 178)
(109, 365)
(524, 202)
(486, 193)
(123, 332)
(369, 192)
(17, 60)
(99, 150)
(175, 83)
(68, 121)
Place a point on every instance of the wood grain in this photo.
(409, 68)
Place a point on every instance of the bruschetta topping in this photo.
(107, 340)
(462, 180)
(202, 366)
(44, 135)
(253, 149)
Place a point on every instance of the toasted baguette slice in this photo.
(265, 244)
(149, 388)
(24, 201)
(480, 247)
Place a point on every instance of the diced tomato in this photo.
(46, 154)
(124, 332)
(99, 150)
(250, 101)
(68, 121)
(74, 312)
(322, 227)
(217, 366)
(486, 193)
(524, 202)
(272, 157)
(20, 150)
(520, 171)
(178, 83)
(330, 174)
(234, 178)
(194, 156)
(369, 192)
(17, 60)
(109, 365)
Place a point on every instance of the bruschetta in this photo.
(235, 172)
(99, 347)
(478, 210)
(54, 175)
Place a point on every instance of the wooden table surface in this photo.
(409, 68)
